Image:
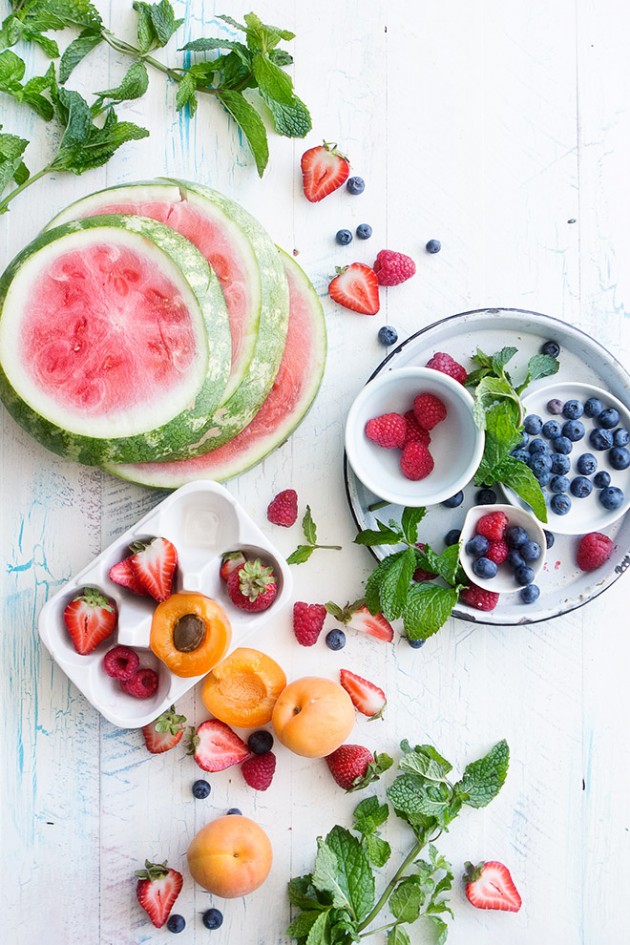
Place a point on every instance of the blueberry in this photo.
(581, 487)
(235, 810)
(611, 498)
(515, 559)
(586, 464)
(387, 335)
(343, 237)
(524, 439)
(522, 455)
(176, 923)
(550, 538)
(477, 546)
(540, 465)
(573, 430)
(600, 439)
(544, 478)
(515, 536)
(533, 424)
(551, 429)
(486, 497)
(364, 231)
(530, 550)
(560, 504)
(212, 918)
(560, 465)
(485, 568)
(260, 742)
(415, 644)
(524, 574)
(559, 484)
(608, 418)
(554, 406)
(552, 348)
(601, 479)
(433, 246)
(201, 789)
(572, 409)
(562, 444)
(452, 537)
(619, 457)
(529, 593)
(593, 407)
(355, 185)
(454, 501)
(335, 639)
(538, 446)
(621, 437)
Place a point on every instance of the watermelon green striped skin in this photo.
(292, 394)
(248, 266)
(114, 340)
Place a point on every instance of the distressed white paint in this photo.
(488, 125)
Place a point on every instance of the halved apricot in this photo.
(242, 690)
(190, 633)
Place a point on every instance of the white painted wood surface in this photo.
(503, 130)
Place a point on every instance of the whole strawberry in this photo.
(90, 618)
(389, 430)
(416, 461)
(259, 770)
(479, 599)
(447, 365)
(428, 410)
(354, 767)
(308, 620)
(157, 889)
(283, 508)
(593, 551)
(393, 268)
(252, 587)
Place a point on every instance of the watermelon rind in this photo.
(307, 337)
(161, 426)
(248, 387)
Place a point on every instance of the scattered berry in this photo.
(387, 335)
(235, 811)
(581, 487)
(90, 618)
(452, 537)
(416, 461)
(608, 418)
(122, 573)
(343, 237)
(454, 501)
(164, 732)
(560, 504)
(497, 551)
(586, 464)
(551, 429)
(121, 662)
(375, 625)
(353, 767)
(559, 484)
(230, 561)
(523, 575)
(308, 620)
(486, 496)
(355, 185)
(490, 886)
(142, 685)
(529, 593)
(392, 268)
(252, 587)
(415, 644)
(428, 410)
(573, 430)
(552, 348)
(536, 447)
(477, 546)
(560, 464)
(593, 407)
(600, 439)
(621, 437)
(259, 770)
(601, 479)
(447, 365)
(335, 639)
(324, 170)
(415, 433)
(611, 498)
(157, 889)
(201, 789)
(154, 564)
(283, 508)
(619, 457)
(532, 424)
(364, 231)
(550, 538)
(572, 409)
(484, 568)
(176, 923)
(212, 918)
(593, 551)
(492, 526)
(356, 287)
(433, 246)
(215, 747)
(562, 444)
(530, 550)
(367, 698)
(479, 599)
(554, 406)
(260, 742)
(389, 430)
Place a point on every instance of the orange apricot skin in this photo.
(313, 716)
(230, 857)
(217, 639)
(242, 689)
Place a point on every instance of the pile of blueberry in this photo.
(547, 445)
(516, 549)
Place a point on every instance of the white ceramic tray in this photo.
(563, 586)
(203, 521)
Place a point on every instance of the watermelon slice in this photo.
(114, 340)
(292, 394)
(248, 267)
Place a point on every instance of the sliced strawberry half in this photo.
(164, 732)
(153, 564)
(489, 885)
(122, 573)
(214, 746)
(231, 561)
(324, 170)
(90, 618)
(357, 616)
(356, 287)
(367, 698)
(158, 888)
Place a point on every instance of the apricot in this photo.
(231, 856)
(190, 633)
(243, 688)
(313, 716)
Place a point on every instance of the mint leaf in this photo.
(369, 814)
(409, 521)
(9, 32)
(11, 150)
(519, 477)
(447, 564)
(398, 936)
(395, 584)
(302, 925)
(489, 391)
(301, 554)
(318, 934)
(205, 45)
(501, 358)
(11, 71)
(483, 779)
(85, 145)
(292, 119)
(376, 579)
(134, 84)
(326, 874)
(406, 899)
(377, 850)
(163, 21)
(262, 36)
(354, 877)
(540, 365)
(78, 49)
(281, 57)
(309, 527)
(427, 608)
(303, 894)
(186, 94)
(411, 795)
(73, 13)
(382, 535)
(441, 929)
(145, 31)
(424, 760)
(271, 80)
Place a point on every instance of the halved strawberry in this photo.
(231, 561)
(158, 888)
(324, 169)
(214, 746)
(356, 287)
(90, 618)
(153, 564)
(489, 885)
(366, 697)
(164, 732)
(122, 573)
(357, 616)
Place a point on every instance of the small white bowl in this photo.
(456, 443)
(504, 582)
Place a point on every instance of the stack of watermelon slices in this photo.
(156, 330)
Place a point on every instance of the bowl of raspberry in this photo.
(411, 437)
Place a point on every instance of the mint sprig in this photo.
(303, 552)
(340, 900)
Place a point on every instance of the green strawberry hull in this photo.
(190, 345)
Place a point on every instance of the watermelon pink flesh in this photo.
(78, 344)
(294, 389)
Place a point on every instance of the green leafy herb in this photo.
(303, 552)
(339, 901)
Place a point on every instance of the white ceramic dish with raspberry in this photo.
(456, 442)
(504, 581)
(202, 520)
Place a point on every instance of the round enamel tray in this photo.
(563, 586)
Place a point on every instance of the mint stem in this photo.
(330, 547)
(4, 204)
(378, 505)
(414, 852)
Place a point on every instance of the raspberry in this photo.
(593, 550)
(283, 509)
(497, 551)
(428, 410)
(121, 662)
(478, 598)
(447, 365)
(420, 574)
(416, 461)
(388, 430)
(259, 770)
(492, 526)
(415, 433)
(393, 268)
(142, 685)
(308, 620)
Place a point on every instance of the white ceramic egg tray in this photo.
(203, 521)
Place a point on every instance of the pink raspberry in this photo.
(308, 620)
(497, 551)
(121, 662)
(389, 430)
(593, 550)
(283, 509)
(428, 410)
(416, 461)
(393, 268)
(478, 598)
(492, 526)
(415, 433)
(259, 770)
(447, 365)
(142, 685)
